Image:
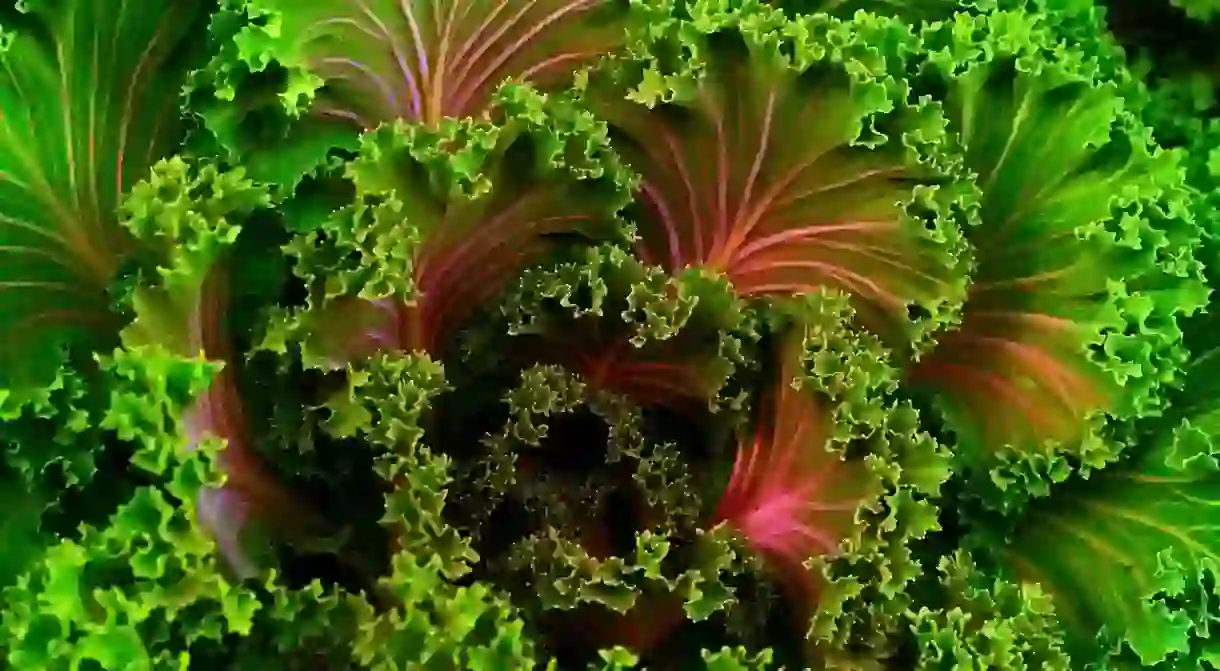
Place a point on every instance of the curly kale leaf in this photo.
(117, 594)
(1084, 257)
(192, 214)
(986, 622)
(443, 220)
(296, 81)
(635, 330)
(1130, 557)
(87, 104)
(785, 156)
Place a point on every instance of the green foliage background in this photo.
(609, 334)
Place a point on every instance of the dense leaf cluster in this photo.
(609, 334)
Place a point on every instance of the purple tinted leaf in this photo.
(790, 495)
(223, 513)
(755, 171)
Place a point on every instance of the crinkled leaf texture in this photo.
(604, 324)
(430, 618)
(424, 60)
(659, 475)
(444, 220)
(635, 330)
(839, 477)
(566, 567)
(54, 453)
(116, 593)
(352, 66)
(988, 622)
(192, 213)
(784, 155)
(87, 105)
(792, 494)
(1081, 266)
(1131, 557)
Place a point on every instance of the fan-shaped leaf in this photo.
(87, 105)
